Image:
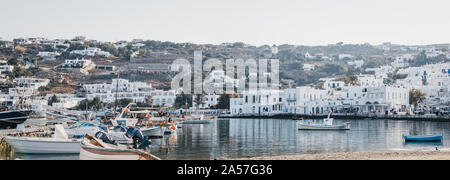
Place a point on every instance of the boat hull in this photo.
(90, 152)
(428, 138)
(43, 145)
(10, 119)
(206, 121)
(153, 132)
(323, 127)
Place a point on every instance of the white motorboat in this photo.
(156, 131)
(326, 125)
(79, 129)
(125, 118)
(58, 144)
(94, 149)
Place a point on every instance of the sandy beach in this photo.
(370, 155)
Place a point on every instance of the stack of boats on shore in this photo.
(124, 136)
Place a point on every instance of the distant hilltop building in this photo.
(48, 56)
(91, 52)
(356, 64)
(274, 49)
(345, 56)
(309, 67)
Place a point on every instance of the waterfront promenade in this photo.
(430, 117)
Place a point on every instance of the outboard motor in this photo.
(105, 138)
(104, 128)
(139, 141)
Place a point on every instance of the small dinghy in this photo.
(423, 138)
(58, 144)
(327, 125)
(96, 149)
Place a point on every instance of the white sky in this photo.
(257, 22)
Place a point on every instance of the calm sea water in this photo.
(236, 138)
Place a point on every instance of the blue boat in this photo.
(423, 138)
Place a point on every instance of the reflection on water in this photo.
(234, 138)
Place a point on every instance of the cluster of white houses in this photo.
(308, 100)
(124, 89)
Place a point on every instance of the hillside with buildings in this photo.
(350, 78)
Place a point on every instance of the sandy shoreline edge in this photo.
(367, 155)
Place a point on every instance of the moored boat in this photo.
(10, 119)
(58, 144)
(326, 125)
(199, 120)
(156, 131)
(94, 149)
(423, 138)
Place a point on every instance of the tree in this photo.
(149, 101)
(224, 102)
(415, 97)
(183, 101)
(351, 79)
(52, 100)
(199, 99)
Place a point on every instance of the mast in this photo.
(117, 89)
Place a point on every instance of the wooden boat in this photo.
(58, 144)
(423, 138)
(94, 149)
(327, 125)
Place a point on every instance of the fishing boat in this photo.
(58, 144)
(423, 138)
(95, 149)
(10, 119)
(326, 125)
(199, 119)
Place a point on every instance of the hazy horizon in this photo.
(263, 22)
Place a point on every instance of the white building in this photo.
(309, 67)
(402, 61)
(48, 56)
(356, 64)
(370, 81)
(77, 63)
(91, 52)
(137, 91)
(6, 68)
(207, 101)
